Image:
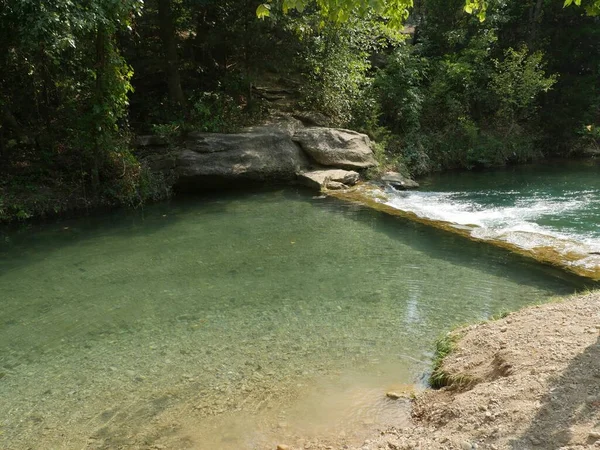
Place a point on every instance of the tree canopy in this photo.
(395, 11)
(431, 82)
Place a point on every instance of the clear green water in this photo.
(559, 199)
(234, 321)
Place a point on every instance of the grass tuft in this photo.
(439, 377)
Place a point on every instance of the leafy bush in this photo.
(400, 89)
(459, 110)
(337, 70)
(517, 82)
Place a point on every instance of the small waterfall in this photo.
(559, 229)
(540, 223)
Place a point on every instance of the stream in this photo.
(550, 211)
(241, 321)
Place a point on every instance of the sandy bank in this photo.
(532, 382)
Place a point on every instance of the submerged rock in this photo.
(336, 147)
(406, 393)
(399, 181)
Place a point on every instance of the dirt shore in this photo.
(530, 380)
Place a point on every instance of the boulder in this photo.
(261, 154)
(336, 147)
(399, 181)
(159, 163)
(282, 152)
(319, 179)
(591, 151)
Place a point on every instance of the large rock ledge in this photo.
(530, 380)
(285, 152)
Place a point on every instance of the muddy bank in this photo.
(530, 380)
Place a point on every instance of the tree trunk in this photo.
(99, 100)
(167, 31)
(535, 14)
(417, 12)
(21, 133)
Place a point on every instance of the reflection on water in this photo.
(233, 322)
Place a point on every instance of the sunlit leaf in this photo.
(263, 11)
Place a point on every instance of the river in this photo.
(238, 321)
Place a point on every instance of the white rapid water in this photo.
(524, 214)
(532, 221)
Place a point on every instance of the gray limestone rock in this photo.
(336, 147)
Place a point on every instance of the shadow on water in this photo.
(28, 240)
(573, 399)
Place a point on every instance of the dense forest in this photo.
(438, 85)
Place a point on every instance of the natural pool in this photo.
(234, 322)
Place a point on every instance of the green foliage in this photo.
(460, 100)
(219, 112)
(335, 73)
(211, 112)
(591, 138)
(65, 88)
(479, 7)
(517, 82)
(501, 315)
(400, 90)
(440, 378)
(339, 11)
(77, 79)
(592, 8)
(336, 67)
